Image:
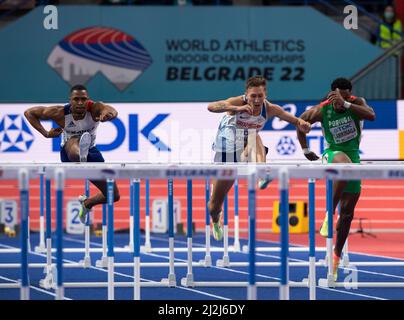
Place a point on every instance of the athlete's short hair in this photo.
(256, 81)
(341, 83)
(78, 87)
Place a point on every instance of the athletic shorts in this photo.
(94, 155)
(231, 156)
(353, 186)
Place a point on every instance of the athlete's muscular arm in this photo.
(277, 111)
(231, 106)
(358, 106)
(55, 113)
(362, 109)
(103, 112)
(311, 116)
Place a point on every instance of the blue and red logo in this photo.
(84, 53)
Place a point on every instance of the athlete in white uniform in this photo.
(237, 138)
(78, 121)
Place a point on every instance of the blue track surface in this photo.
(364, 274)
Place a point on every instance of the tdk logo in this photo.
(134, 133)
(117, 55)
(396, 174)
(15, 135)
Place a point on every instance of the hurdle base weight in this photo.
(324, 262)
(188, 281)
(146, 248)
(40, 249)
(170, 281)
(86, 262)
(207, 262)
(49, 282)
(102, 263)
(236, 246)
(327, 283)
(224, 263)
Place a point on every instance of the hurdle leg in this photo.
(110, 201)
(236, 244)
(345, 254)
(189, 280)
(147, 245)
(225, 261)
(330, 276)
(131, 207)
(41, 247)
(329, 282)
(136, 239)
(86, 262)
(312, 240)
(23, 179)
(207, 262)
(29, 233)
(252, 286)
(284, 211)
(50, 270)
(59, 181)
(103, 262)
(171, 275)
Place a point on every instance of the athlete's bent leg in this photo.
(348, 203)
(337, 190)
(219, 192)
(101, 197)
(72, 149)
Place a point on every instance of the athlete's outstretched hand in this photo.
(303, 126)
(246, 108)
(54, 132)
(105, 115)
(311, 156)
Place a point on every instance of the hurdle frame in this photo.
(333, 172)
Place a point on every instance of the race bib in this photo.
(344, 132)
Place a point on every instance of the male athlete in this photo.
(78, 121)
(341, 117)
(237, 137)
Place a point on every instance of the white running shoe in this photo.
(84, 144)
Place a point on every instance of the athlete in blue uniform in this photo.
(78, 121)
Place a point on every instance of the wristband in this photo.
(306, 150)
(347, 104)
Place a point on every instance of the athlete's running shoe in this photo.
(324, 227)
(335, 263)
(84, 212)
(84, 145)
(217, 229)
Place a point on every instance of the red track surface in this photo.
(380, 208)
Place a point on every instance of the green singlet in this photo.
(342, 133)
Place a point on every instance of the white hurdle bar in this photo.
(334, 172)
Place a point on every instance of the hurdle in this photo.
(332, 172)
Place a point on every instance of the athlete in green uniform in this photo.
(341, 117)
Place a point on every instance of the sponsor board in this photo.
(183, 132)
